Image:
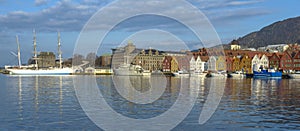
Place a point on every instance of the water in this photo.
(50, 103)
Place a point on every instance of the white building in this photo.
(211, 63)
(258, 62)
(264, 61)
(197, 65)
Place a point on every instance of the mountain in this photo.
(281, 32)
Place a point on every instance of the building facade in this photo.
(45, 60)
(150, 59)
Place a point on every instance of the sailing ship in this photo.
(34, 69)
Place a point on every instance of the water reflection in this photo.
(49, 102)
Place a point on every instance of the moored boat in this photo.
(238, 74)
(34, 69)
(267, 73)
(294, 75)
(128, 70)
(181, 73)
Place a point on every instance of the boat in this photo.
(146, 73)
(294, 75)
(34, 69)
(128, 70)
(267, 73)
(181, 73)
(198, 74)
(222, 74)
(238, 74)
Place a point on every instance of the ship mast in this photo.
(19, 52)
(34, 50)
(59, 50)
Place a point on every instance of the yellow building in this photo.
(174, 65)
(150, 59)
(236, 63)
(246, 63)
(221, 63)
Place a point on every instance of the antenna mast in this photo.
(19, 52)
(34, 50)
(59, 50)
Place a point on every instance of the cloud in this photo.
(64, 15)
(40, 2)
(67, 15)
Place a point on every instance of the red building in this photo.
(229, 63)
(286, 62)
(274, 61)
(296, 60)
(167, 64)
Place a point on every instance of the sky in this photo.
(231, 19)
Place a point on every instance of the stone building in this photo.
(150, 59)
(123, 55)
(44, 60)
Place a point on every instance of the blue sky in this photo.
(231, 19)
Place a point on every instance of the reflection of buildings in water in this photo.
(195, 85)
(105, 83)
(140, 83)
(174, 86)
(238, 89)
(264, 89)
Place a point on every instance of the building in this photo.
(296, 60)
(246, 64)
(286, 62)
(274, 61)
(264, 61)
(211, 63)
(234, 45)
(274, 48)
(236, 63)
(44, 60)
(150, 59)
(260, 61)
(229, 64)
(104, 61)
(255, 63)
(174, 65)
(124, 55)
(181, 63)
(221, 63)
(167, 64)
(197, 64)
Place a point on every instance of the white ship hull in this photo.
(128, 70)
(198, 74)
(124, 72)
(218, 75)
(234, 75)
(55, 71)
(295, 76)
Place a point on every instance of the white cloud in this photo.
(40, 2)
(71, 16)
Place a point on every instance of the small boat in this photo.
(198, 74)
(222, 74)
(267, 73)
(181, 73)
(238, 74)
(295, 75)
(146, 73)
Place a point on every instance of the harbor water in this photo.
(52, 103)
